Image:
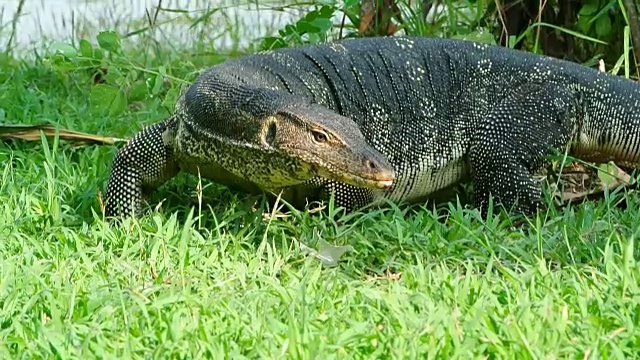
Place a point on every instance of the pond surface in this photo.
(233, 21)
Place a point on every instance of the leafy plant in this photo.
(314, 27)
(118, 80)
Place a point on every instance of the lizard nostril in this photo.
(370, 164)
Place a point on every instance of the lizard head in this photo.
(328, 144)
(274, 139)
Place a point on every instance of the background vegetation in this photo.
(214, 273)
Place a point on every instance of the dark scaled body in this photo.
(438, 111)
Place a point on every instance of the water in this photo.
(234, 21)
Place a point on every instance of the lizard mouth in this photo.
(375, 183)
(381, 181)
(385, 183)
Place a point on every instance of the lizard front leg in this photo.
(140, 167)
(510, 141)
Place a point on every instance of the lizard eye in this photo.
(319, 136)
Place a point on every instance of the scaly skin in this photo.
(428, 113)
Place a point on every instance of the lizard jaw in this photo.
(382, 181)
(385, 183)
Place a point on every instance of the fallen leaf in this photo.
(328, 254)
(580, 182)
(611, 175)
(32, 133)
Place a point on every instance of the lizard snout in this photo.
(380, 172)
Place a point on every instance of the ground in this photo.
(221, 275)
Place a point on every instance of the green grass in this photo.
(220, 278)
